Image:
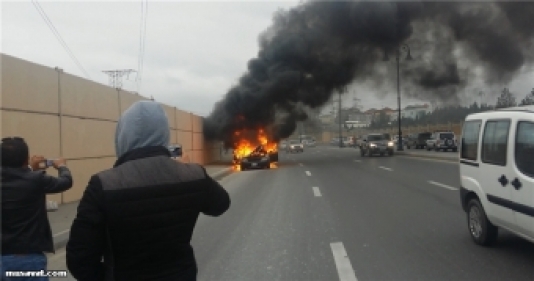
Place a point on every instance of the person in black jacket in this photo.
(26, 232)
(135, 221)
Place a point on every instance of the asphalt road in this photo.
(329, 214)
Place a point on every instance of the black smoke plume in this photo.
(318, 48)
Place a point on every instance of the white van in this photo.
(497, 173)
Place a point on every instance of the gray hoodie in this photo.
(143, 124)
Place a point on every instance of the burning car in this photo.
(259, 158)
(253, 149)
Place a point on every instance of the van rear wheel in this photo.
(481, 229)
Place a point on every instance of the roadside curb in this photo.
(221, 174)
(426, 156)
(61, 241)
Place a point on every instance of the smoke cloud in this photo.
(318, 48)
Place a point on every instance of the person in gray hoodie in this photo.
(135, 221)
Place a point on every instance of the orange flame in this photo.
(243, 147)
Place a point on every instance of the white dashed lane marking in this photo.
(316, 191)
(344, 268)
(386, 168)
(308, 173)
(443, 185)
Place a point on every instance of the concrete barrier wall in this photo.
(61, 115)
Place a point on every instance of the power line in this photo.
(58, 37)
(140, 45)
(142, 39)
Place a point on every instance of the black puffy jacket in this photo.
(25, 226)
(139, 217)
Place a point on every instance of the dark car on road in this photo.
(442, 141)
(175, 150)
(259, 158)
(418, 140)
(376, 144)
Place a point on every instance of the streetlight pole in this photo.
(481, 95)
(399, 141)
(300, 124)
(406, 48)
(302, 130)
(340, 129)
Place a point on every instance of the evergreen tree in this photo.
(506, 99)
(529, 99)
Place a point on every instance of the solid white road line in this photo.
(385, 168)
(316, 191)
(62, 232)
(344, 268)
(443, 185)
(308, 173)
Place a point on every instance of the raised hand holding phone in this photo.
(60, 162)
(37, 162)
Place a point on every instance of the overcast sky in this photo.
(194, 50)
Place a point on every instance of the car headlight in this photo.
(244, 160)
(372, 145)
(390, 143)
(265, 158)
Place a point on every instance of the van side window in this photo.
(469, 146)
(495, 142)
(524, 148)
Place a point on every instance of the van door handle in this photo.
(503, 180)
(517, 184)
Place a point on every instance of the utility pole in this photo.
(115, 77)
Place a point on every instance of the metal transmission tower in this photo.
(115, 77)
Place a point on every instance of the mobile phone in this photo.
(49, 163)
